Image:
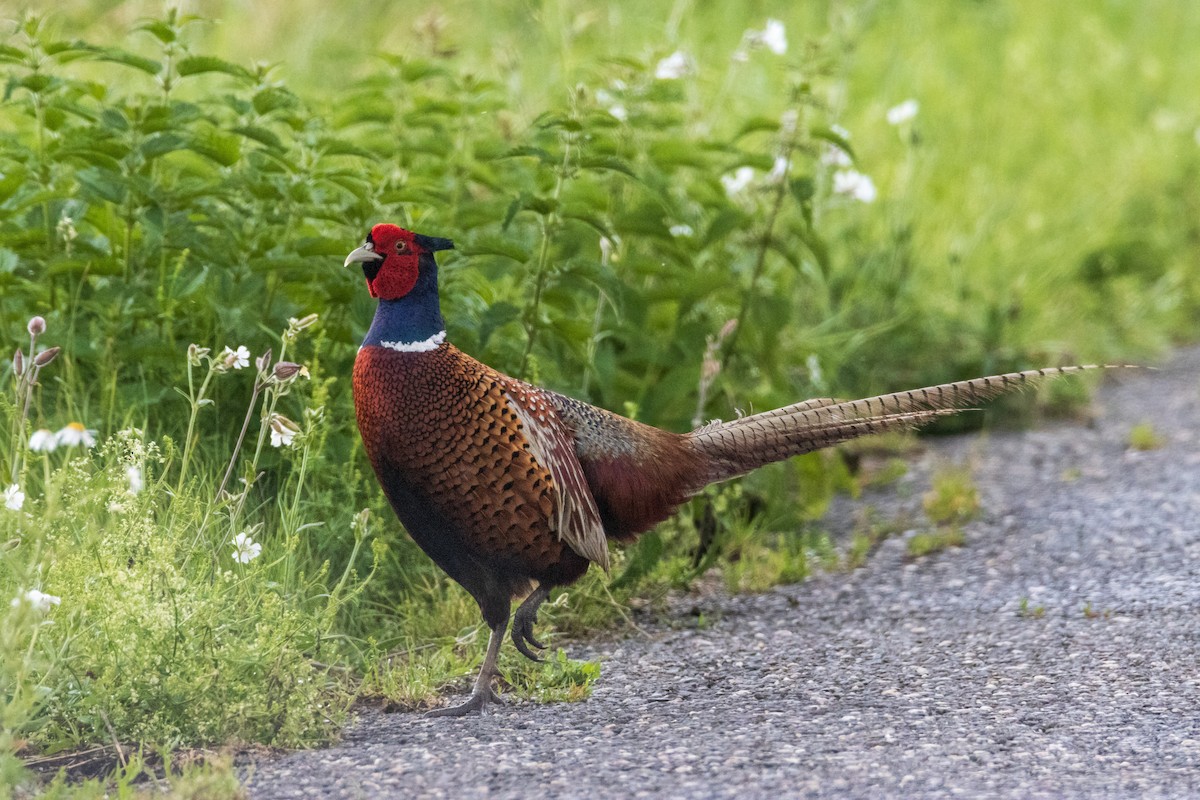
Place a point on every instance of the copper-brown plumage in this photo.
(511, 488)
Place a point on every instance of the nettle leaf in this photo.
(803, 189)
(834, 138)
(332, 146)
(38, 83)
(498, 246)
(591, 220)
(223, 148)
(527, 151)
(113, 119)
(11, 55)
(757, 125)
(160, 144)
(606, 163)
(495, 317)
(549, 121)
(119, 56)
(160, 30)
(724, 223)
(65, 52)
(197, 65)
(274, 98)
(104, 184)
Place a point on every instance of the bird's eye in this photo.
(401, 246)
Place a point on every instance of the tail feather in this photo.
(736, 447)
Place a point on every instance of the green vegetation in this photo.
(654, 211)
(1027, 612)
(924, 543)
(953, 498)
(1144, 437)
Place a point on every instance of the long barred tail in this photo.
(736, 447)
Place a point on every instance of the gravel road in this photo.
(904, 678)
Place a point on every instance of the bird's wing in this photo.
(576, 519)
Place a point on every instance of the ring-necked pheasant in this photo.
(509, 487)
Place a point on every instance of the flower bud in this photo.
(18, 362)
(303, 322)
(263, 361)
(45, 357)
(196, 353)
(286, 370)
(36, 326)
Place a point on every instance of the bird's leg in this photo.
(523, 621)
(483, 692)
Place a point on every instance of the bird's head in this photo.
(394, 259)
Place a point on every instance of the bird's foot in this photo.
(522, 636)
(523, 622)
(477, 702)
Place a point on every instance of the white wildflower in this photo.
(682, 230)
(774, 37)
(39, 601)
(43, 441)
(618, 112)
(283, 431)
(137, 481)
(815, 375)
(245, 549)
(75, 434)
(779, 170)
(14, 498)
(854, 184)
(675, 66)
(236, 359)
(902, 113)
(737, 183)
(834, 156)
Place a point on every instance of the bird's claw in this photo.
(522, 635)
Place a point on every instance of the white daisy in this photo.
(75, 434)
(43, 441)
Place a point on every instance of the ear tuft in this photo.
(432, 243)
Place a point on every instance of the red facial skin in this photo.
(398, 271)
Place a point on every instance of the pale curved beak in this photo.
(362, 254)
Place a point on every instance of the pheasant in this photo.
(514, 490)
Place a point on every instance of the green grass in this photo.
(160, 187)
(1143, 436)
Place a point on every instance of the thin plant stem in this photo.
(531, 311)
(189, 441)
(237, 448)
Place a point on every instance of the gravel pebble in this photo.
(903, 678)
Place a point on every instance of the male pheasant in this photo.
(511, 488)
